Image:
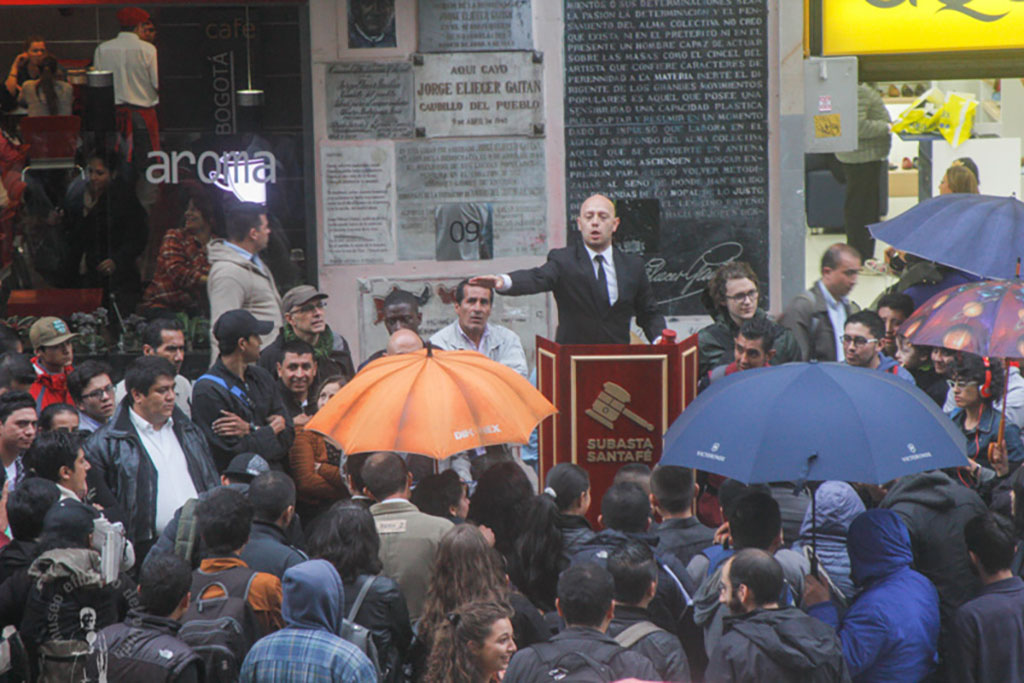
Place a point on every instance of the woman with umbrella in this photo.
(976, 383)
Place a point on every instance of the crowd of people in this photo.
(192, 528)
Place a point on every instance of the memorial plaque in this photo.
(369, 100)
(506, 174)
(479, 93)
(358, 193)
(667, 102)
(468, 25)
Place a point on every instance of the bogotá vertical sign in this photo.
(861, 27)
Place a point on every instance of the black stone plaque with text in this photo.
(666, 100)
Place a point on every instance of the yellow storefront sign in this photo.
(861, 27)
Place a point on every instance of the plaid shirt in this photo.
(300, 654)
(180, 265)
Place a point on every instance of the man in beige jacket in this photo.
(238, 277)
(408, 537)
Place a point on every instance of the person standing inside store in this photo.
(133, 62)
(863, 169)
(597, 288)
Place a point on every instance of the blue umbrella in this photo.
(976, 233)
(813, 421)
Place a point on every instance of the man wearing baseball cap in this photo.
(51, 341)
(305, 319)
(237, 404)
(132, 60)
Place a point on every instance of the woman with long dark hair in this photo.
(25, 66)
(467, 569)
(502, 496)
(473, 645)
(346, 537)
(316, 464)
(47, 96)
(106, 231)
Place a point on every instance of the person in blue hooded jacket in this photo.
(891, 631)
(310, 647)
(837, 506)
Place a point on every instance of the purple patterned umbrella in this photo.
(985, 318)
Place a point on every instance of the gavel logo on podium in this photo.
(610, 404)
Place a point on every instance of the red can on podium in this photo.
(615, 402)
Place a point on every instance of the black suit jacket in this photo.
(583, 317)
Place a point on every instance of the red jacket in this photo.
(49, 389)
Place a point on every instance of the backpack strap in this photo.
(188, 531)
(551, 656)
(635, 633)
(363, 590)
(717, 555)
(235, 582)
(222, 383)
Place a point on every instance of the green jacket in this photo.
(715, 343)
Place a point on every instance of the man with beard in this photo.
(762, 641)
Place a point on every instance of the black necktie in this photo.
(602, 279)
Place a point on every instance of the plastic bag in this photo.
(956, 118)
(922, 115)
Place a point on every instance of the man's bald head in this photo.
(404, 341)
(597, 222)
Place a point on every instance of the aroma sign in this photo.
(210, 167)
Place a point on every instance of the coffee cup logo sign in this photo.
(244, 176)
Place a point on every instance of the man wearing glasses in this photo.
(816, 317)
(862, 339)
(305, 319)
(93, 392)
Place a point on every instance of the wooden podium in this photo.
(615, 402)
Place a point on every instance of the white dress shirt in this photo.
(837, 315)
(609, 271)
(173, 484)
(133, 63)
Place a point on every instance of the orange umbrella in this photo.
(432, 402)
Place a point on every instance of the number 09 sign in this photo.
(465, 232)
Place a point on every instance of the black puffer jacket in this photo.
(576, 533)
(124, 478)
(385, 614)
(777, 645)
(661, 647)
(936, 509)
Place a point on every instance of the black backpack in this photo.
(576, 666)
(221, 630)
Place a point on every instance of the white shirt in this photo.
(837, 315)
(182, 394)
(133, 63)
(173, 484)
(12, 473)
(609, 271)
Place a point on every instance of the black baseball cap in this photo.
(69, 519)
(239, 324)
(245, 466)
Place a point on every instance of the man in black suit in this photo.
(597, 288)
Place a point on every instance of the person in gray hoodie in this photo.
(310, 647)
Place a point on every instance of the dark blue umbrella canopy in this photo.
(977, 233)
(769, 424)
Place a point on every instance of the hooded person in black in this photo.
(936, 510)
(763, 642)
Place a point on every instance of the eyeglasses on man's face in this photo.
(857, 340)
